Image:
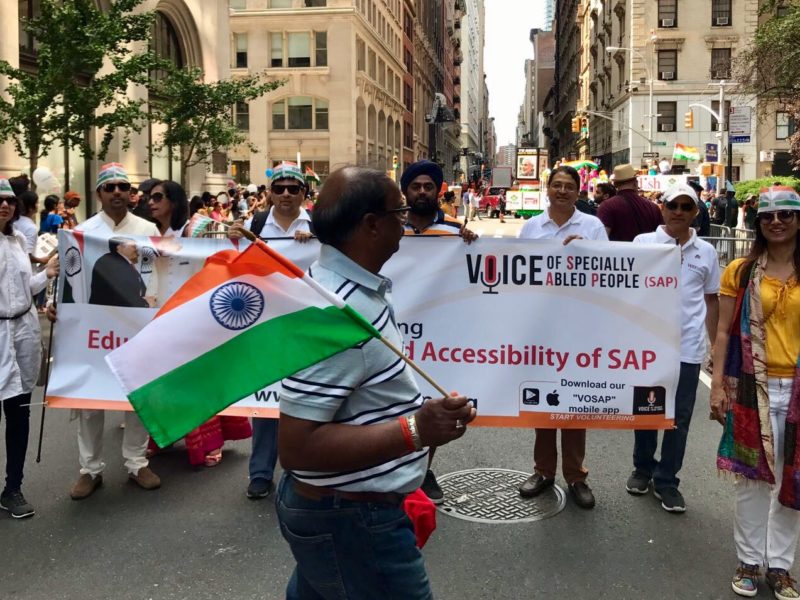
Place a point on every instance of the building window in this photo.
(299, 45)
(280, 3)
(242, 115)
(381, 73)
(667, 13)
(409, 61)
(667, 112)
(295, 49)
(361, 60)
(409, 98)
(371, 61)
(300, 112)
(240, 43)
(238, 4)
(784, 126)
(720, 63)
(721, 13)
(667, 64)
(314, 3)
(715, 108)
(782, 9)
(321, 48)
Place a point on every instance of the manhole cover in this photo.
(491, 496)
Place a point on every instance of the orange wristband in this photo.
(407, 433)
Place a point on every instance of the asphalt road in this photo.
(199, 537)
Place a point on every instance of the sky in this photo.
(507, 45)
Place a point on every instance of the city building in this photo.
(472, 88)
(187, 32)
(633, 69)
(539, 74)
(506, 156)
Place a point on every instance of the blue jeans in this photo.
(350, 550)
(264, 455)
(673, 447)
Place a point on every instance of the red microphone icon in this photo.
(489, 275)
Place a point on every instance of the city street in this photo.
(199, 537)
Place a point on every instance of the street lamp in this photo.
(611, 50)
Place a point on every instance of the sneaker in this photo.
(15, 503)
(146, 479)
(259, 488)
(671, 500)
(85, 486)
(745, 581)
(637, 483)
(431, 488)
(782, 584)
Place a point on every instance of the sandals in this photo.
(214, 458)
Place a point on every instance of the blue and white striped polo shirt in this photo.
(360, 386)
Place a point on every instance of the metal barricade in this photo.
(729, 248)
(722, 231)
(744, 234)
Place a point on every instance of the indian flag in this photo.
(682, 152)
(245, 321)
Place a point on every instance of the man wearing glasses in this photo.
(113, 191)
(286, 218)
(700, 284)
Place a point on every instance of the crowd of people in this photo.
(345, 484)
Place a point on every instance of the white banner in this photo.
(537, 333)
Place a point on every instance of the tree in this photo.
(197, 115)
(84, 67)
(770, 67)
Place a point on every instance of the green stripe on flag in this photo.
(179, 401)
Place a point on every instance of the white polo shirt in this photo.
(699, 276)
(542, 227)
(272, 229)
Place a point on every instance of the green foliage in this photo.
(745, 188)
(770, 67)
(73, 89)
(197, 115)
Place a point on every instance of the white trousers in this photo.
(765, 531)
(90, 442)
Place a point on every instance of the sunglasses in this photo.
(684, 206)
(784, 216)
(279, 189)
(10, 201)
(122, 186)
(157, 197)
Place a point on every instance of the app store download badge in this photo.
(649, 400)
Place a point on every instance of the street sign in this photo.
(712, 154)
(739, 139)
(739, 121)
(649, 154)
(657, 143)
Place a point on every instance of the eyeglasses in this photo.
(402, 211)
(784, 216)
(279, 189)
(122, 186)
(428, 186)
(684, 206)
(567, 187)
(157, 197)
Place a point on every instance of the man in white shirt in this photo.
(286, 218)
(561, 221)
(113, 191)
(699, 306)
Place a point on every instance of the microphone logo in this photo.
(489, 275)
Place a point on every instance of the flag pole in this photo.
(252, 237)
(46, 378)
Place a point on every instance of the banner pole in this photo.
(46, 377)
(414, 366)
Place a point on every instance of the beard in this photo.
(424, 207)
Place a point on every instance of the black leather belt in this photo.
(17, 316)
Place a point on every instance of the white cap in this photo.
(679, 190)
(252, 188)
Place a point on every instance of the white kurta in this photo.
(20, 339)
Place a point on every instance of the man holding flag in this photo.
(355, 434)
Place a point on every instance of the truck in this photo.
(490, 196)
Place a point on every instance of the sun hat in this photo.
(778, 197)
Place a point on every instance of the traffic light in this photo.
(394, 162)
(576, 125)
(585, 125)
(688, 120)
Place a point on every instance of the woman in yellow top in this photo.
(755, 394)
